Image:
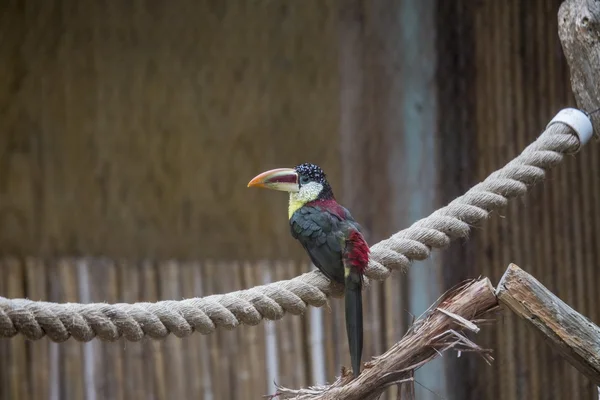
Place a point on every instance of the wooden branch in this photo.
(439, 329)
(579, 32)
(567, 331)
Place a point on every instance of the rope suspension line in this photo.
(565, 134)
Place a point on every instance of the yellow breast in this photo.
(294, 205)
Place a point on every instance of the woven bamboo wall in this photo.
(514, 80)
(132, 129)
(239, 364)
(224, 365)
(129, 131)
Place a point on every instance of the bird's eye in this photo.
(303, 180)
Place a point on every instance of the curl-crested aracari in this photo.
(331, 237)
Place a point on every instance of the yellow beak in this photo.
(283, 179)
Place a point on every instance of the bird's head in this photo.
(305, 182)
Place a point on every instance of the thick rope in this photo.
(109, 322)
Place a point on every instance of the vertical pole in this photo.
(414, 162)
(388, 125)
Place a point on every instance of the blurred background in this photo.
(129, 130)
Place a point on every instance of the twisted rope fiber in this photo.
(135, 321)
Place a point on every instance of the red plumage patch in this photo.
(357, 249)
(329, 205)
(357, 252)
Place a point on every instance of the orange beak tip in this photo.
(256, 182)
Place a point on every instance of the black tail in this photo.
(354, 319)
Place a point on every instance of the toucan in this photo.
(333, 240)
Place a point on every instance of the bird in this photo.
(329, 234)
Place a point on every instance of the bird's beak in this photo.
(284, 179)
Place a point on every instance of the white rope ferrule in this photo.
(576, 120)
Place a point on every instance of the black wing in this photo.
(320, 233)
(350, 223)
